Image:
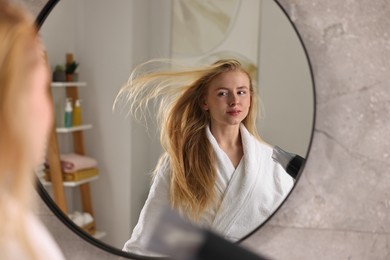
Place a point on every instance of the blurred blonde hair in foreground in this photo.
(19, 52)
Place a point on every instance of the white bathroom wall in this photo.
(284, 82)
(105, 52)
(151, 39)
(58, 34)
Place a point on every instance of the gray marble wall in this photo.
(340, 208)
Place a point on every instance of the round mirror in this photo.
(109, 155)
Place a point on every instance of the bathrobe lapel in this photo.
(252, 194)
(240, 186)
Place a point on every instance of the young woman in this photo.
(215, 171)
(25, 120)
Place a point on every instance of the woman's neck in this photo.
(229, 140)
(227, 136)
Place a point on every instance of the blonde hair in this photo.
(17, 34)
(178, 95)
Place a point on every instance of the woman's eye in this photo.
(241, 92)
(222, 94)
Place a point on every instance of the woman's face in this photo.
(40, 115)
(228, 98)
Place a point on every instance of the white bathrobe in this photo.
(247, 195)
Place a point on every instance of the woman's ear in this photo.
(205, 106)
(203, 103)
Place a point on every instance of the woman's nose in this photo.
(233, 100)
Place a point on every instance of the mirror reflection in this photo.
(107, 41)
(216, 171)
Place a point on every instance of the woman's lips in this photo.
(234, 112)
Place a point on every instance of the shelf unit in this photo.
(99, 234)
(68, 84)
(71, 184)
(64, 130)
(56, 180)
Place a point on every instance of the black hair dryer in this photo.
(292, 163)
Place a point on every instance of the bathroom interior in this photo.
(109, 39)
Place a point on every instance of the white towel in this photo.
(74, 162)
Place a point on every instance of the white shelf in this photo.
(99, 234)
(68, 84)
(73, 128)
(71, 183)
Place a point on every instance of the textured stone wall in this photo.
(340, 208)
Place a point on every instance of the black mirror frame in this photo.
(43, 14)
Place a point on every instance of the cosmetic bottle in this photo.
(77, 113)
(68, 113)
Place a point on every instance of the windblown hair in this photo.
(178, 95)
(17, 35)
